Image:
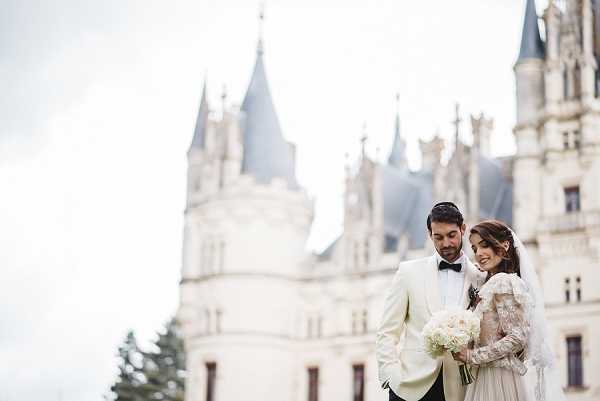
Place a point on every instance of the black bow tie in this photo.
(457, 267)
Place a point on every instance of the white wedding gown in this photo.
(497, 360)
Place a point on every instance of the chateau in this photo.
(265, 320)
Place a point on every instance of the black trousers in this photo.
(435, 393)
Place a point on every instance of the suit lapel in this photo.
(431, 286)
(472, 278)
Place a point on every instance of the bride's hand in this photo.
(461, 355)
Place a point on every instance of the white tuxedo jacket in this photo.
(412, 299)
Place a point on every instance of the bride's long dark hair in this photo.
(494, 233)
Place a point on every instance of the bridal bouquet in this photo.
(451, 330)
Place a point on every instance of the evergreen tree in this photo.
(158, 374)
(126, 388)
(164, 367)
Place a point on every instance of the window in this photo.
(578, 288)
(222, 256)
(211, 256)
(566, 140)
(203, 253)
(313, 384)
(207, 321)
(218, 314)
(314, 325)
(358, 382)
(574, 362)
(319, 326)
(208, 256)
(211, 376)
(360, 322)
(565, 83)
(365, 322)
(356, 255)
(567, 290)
(572, 203)
(576, 139)
(576, 80)
(571, 139)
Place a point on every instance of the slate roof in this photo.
(398, 153)
(495, 191)
(266, 153)
(531, 42)
(408, 198)
(201, 121)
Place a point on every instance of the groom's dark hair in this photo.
(445, 212)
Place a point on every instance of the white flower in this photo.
(450, 330)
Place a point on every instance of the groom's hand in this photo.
(461, 355)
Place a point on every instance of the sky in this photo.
(98, 106)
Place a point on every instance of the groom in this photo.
(420, 288)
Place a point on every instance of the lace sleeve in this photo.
(514, 327)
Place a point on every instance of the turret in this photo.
(244, 249)
(531, 90)
(529, 69)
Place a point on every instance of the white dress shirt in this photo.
(451, 282)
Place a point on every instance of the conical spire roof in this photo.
(398, 153)
(266, 154)
(531, 42)
(201, 122)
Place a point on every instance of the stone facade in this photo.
(556, 178)
(264, 320)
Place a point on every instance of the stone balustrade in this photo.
(569, 222)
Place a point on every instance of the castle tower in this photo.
(529, 73)
(556, 176)
(246, 225)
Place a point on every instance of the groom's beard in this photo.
(451, 253)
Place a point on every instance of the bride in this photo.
(513, 336)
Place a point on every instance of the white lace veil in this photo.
(539, 355)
